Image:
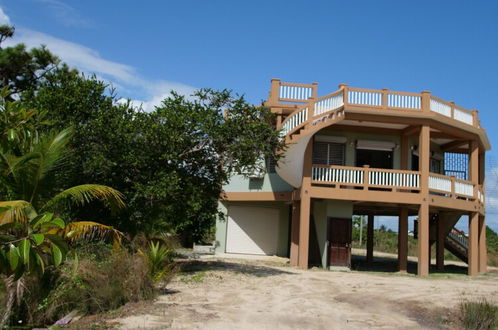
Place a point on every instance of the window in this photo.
(270, 165)
(374, 158)
(456, 164)
(328, 153)
(435, 166)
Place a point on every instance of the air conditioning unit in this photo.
(257, 173)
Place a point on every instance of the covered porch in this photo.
(434, 226)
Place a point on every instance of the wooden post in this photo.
(366, 176)
(424, 159)
(482, 167)
(475, 118)
(473, 252)
(384, 98)
(314, 90)
(403, 240)
(474, 166)
(440, 243)
(483, 251)
(425, 102)
(370, 237)
(294, 247)
(304, 218)
(345, 89)
(423, 214)
(423, 240)
(274, 91)
(452, 109)
(404, 152)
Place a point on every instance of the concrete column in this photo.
(483, 251)
(304, 231)
(370, 238)
(423, 213)
(294, 246)
(403, 240)
(440, 243)
(304, 218)
(423, 240)
(473, 252)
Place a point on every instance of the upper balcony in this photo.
(300, 108)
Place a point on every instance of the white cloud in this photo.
(82, 57)
(492, 190)
(160, 90)
(4, 19)
(89, 61)
(65, 14)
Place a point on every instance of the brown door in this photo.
(339, 237)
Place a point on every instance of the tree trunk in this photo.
(10, 289)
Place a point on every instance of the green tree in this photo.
(19, 127)
(22, 69)
(170, 164)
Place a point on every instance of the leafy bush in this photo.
(478, 314)
(158, 251)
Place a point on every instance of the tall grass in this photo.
(478, 315)
(94, 278)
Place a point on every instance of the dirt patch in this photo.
(248, 294)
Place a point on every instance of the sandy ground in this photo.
(254, 294)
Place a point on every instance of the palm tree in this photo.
(28, 227)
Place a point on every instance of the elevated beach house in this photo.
(365, 152)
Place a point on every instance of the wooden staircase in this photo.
(455, 240)
(290, 168)
(457, 243)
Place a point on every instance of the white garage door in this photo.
(252, 230)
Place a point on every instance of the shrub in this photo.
(478, 314)
(92, 284)
(158, 251)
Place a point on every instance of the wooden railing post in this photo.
(384, 98)
(452, 105)
(345, 89)
(366, 175)
(452, 194)
(425, 101)
(474, 166)
(314, 90)
(475, 118)
(274, 91)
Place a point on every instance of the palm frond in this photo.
(86, 193)
(52, 150)
(88, 231)
(18, 211)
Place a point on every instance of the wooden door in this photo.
(339, 237)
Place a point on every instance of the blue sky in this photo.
(147, 48)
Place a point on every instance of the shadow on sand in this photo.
(390, 265)
(196, 265)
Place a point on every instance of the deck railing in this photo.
(365, 177)
(297, 119)
(396, 180)
(481, 193)
(361, 97)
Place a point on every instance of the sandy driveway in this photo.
(247, 294)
